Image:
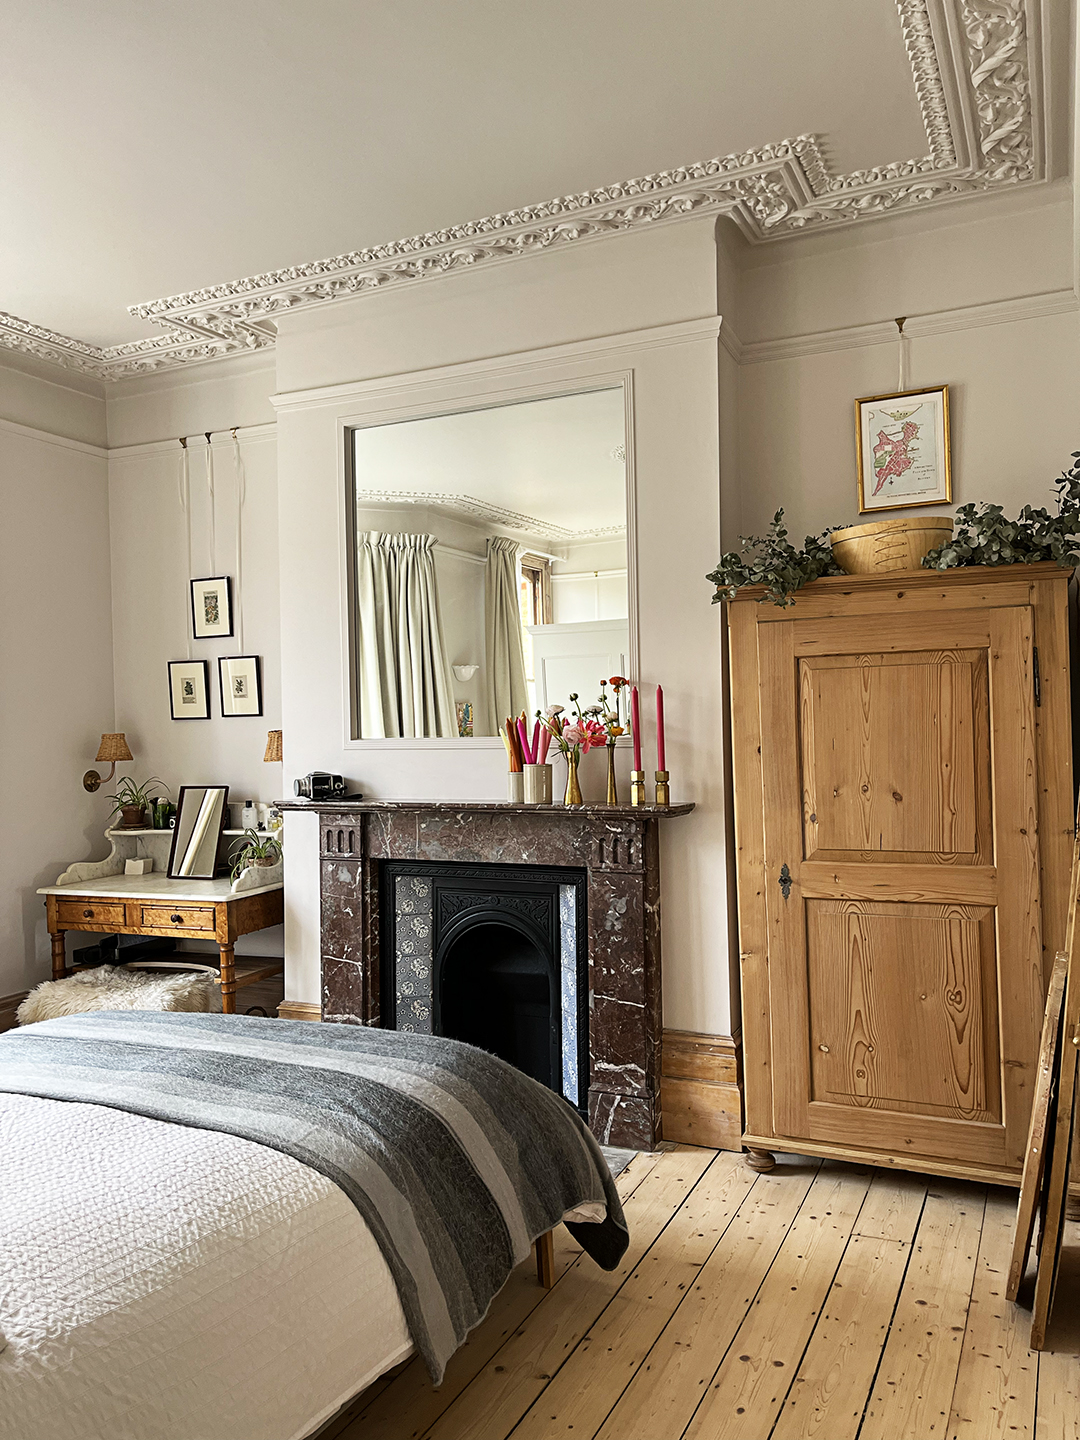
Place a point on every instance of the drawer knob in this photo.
(177, 919)
(824, 1049)
(89, 914)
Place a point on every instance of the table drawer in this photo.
(177, 917)
(76, 913)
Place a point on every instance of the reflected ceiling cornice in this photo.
(975, 67)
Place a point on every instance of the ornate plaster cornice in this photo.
(772, 192)
(491, 514)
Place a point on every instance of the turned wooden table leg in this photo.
(228, 980)
(544, 1245)
(761, 1160)
(59, 955)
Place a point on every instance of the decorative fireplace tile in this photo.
(412, 957)
(568, 938)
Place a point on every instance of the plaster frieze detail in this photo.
(490, 514)
(774, 191)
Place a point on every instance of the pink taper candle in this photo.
(635, 726)
(660, 728)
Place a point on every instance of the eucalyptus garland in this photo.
(771, 560)
(982, 535)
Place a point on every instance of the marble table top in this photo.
(156, 887)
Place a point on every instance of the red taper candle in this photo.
(635, 726)
(660, 728)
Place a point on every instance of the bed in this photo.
(172, 1269)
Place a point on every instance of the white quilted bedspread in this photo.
(165, 1283)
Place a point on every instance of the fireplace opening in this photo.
(495, 991)
(495, 955)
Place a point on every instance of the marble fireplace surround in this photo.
(619, 849)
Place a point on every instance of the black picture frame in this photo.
(224, 586)
(227, 710)
(183, 824)
(197, 712)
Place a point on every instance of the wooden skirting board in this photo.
(8, 1005)
(299, 1010)
(700, 1089)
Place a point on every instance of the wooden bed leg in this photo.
(544, 1247)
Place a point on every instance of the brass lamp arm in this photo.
(93, 781)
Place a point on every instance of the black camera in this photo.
(320, 785)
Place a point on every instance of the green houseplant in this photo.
(771, 560)
(132, 800)
(982, 536)
(252, 848)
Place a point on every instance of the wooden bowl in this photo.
(889, 544)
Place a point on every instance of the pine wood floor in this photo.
(823, 1300)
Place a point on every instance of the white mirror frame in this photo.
(453, 389)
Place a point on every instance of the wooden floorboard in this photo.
(820, 1302)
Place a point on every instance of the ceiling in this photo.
(159, 148)
(553, 468)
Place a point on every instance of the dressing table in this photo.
(98, 897)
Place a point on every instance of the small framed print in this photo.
(241, 685)
(189, 689)
(211, 608)
(902, 442)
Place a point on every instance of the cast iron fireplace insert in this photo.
(495, 955)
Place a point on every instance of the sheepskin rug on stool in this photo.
(114, 987)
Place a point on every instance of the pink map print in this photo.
(891, 456)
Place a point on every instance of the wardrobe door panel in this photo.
(901, 881)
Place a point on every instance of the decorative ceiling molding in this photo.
(490, 514)
(971, 66)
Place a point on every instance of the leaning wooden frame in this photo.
(1048, 1158)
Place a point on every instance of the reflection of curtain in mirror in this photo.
(507, 692)
(404, 678)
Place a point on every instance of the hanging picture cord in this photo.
(241, 487)
(213, 507)
(902, 378)
(185, 506)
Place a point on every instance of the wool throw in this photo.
(455, 1160)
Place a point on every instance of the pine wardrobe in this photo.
(903, 782)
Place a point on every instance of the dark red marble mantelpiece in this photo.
(617, 847)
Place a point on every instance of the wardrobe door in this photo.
(901, 881)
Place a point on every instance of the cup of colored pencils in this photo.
(515, 790)
(536, 771)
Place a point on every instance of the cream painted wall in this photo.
(55, 654)
(151, 616)
(560, 298)
(974, 288)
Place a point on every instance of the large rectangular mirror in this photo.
(489, 554)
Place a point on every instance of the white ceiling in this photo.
(544, 466)
(159, 147)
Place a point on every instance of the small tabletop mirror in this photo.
(200, 819)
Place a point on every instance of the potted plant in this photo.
(255, 849)
(132, 801)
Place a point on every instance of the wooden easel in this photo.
(1048, 1159)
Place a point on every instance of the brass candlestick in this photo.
(663, 790)
(637, 787)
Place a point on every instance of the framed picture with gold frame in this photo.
(902, 444)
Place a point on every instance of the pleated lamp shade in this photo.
(113, 748)
(273, 745)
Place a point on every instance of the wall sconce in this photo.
(112, 748)
(465, 672)
(273, 745)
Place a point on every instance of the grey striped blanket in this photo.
(456, 1160)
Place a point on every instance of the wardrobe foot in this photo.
(761, 1160)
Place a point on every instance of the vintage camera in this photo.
(320, 785)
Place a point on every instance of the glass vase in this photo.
(573, 789)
